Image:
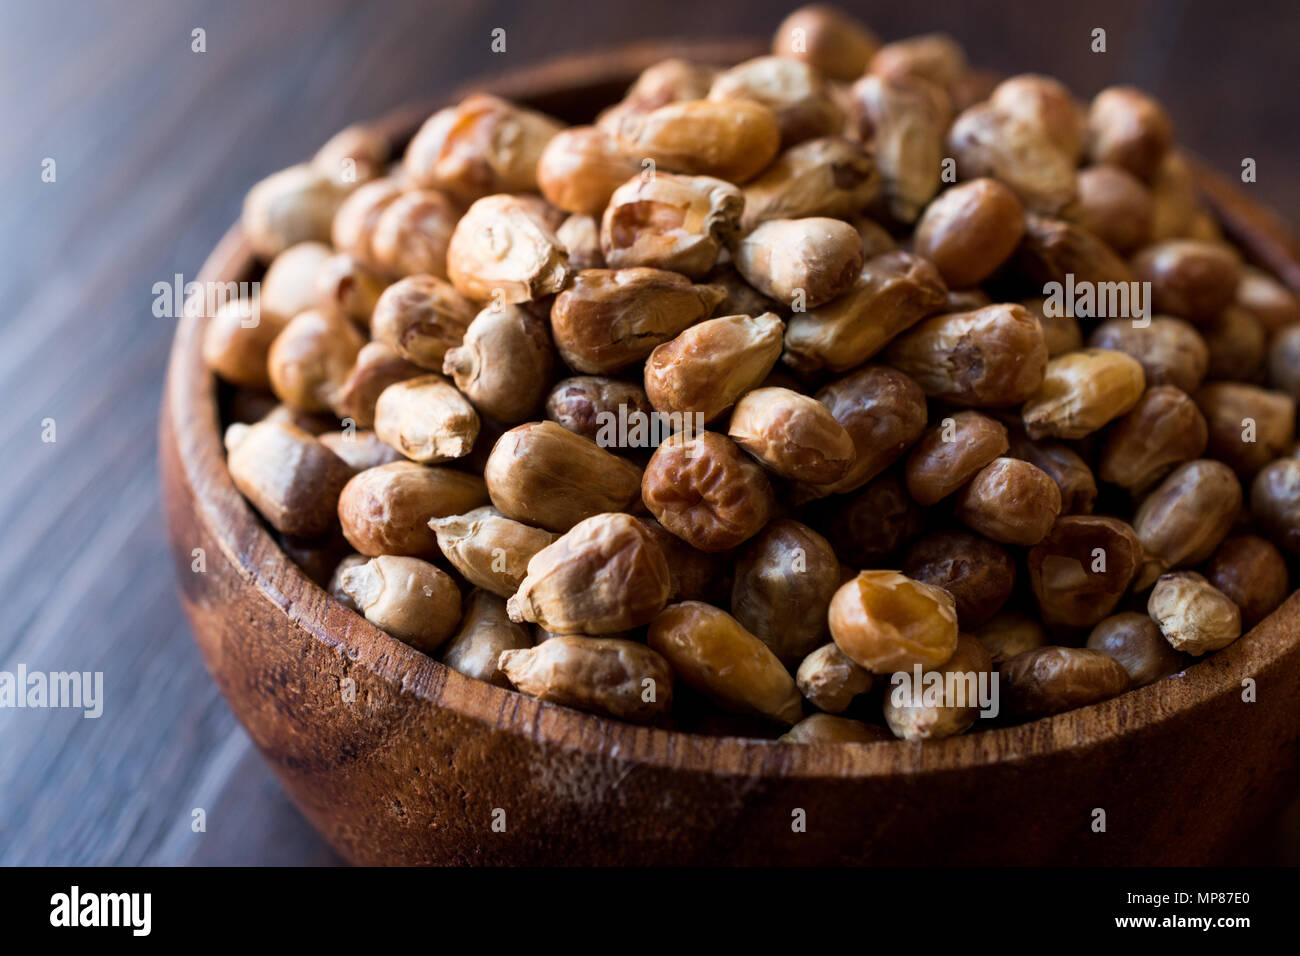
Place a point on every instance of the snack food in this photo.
(732, 392)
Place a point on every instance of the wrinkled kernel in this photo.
(886, 622)
(706, 491)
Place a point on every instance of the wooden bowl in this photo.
(417, 767)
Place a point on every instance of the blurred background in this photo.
(155, 145)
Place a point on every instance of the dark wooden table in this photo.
(154, 146)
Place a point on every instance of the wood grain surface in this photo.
(154, 146)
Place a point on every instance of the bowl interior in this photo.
(575, 89)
